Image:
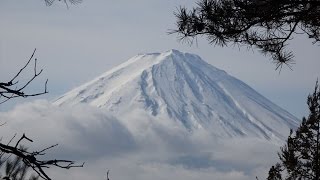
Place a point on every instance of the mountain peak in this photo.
(183, 88)
(174, 51)
(165, 53)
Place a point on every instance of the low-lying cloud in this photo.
(134, 147)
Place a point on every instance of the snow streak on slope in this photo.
(183, 89)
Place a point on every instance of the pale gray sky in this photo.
(77, 44)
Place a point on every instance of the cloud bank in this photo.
(132, 147)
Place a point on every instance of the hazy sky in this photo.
(77, 44)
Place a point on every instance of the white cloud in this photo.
(83, 130)
(134, 148)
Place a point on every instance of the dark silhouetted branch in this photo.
(50, 2)
(267, 25)
(14, 89)
(31, 158)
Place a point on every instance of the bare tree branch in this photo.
(14, 89)
(31, 158)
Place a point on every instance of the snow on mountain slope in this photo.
(184, 89)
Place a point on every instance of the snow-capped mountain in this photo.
(182, 88)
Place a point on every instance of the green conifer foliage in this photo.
(300, 157)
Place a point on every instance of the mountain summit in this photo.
(187, 90)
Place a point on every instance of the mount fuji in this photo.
(185, 90)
